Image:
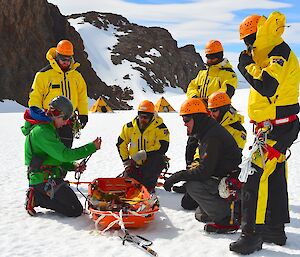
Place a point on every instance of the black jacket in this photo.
(219, 152)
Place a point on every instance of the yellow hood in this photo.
(267, 37)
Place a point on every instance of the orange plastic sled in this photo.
(121, 199)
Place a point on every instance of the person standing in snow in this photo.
(218, 74)
(272, 69)
(46, 157)
(219, 158)
(142, 145)
(60, 77)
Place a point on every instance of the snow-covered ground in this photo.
(174, 232)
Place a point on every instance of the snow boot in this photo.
(29, 202)
(274, 234)
(220, 229)
(247, 243)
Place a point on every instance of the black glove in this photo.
(83, 120)
(245, 59)
(176, 177)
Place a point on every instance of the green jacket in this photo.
(43, 141)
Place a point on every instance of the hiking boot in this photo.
(220, 229)
(29, 202)
(247, 243)
(274, 234)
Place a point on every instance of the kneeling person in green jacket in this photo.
(46, 157)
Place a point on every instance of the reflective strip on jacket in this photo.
(131, 140)
(52, 81)
(214, 78)
(275, 74)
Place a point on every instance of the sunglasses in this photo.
(65, 58)
(187, 118)
(58, 114)
(214, 110)
(144, 117)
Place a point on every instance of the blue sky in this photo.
(196, 21)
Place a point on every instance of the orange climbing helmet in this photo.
(213, 46)
(191, 106)
(65, 47)
(218, 99)
(249, 25)
(146, 106)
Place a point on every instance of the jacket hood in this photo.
(223, 64)
(231, 117)
(202, 123)
(50, 56)
(269, 31)
(29, 123)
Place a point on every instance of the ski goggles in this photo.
(57, 113)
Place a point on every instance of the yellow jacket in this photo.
(214, 78)
(52, 81)
(233, 121)
(154, 138)
(275, 74)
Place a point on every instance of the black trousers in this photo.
(253, 193)
(64, 200)
(149, 172)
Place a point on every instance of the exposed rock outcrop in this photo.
(29, 28)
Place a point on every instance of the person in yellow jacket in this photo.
(272, 70)
(142, 145)
(218, 74)
(219, 105)
(59, 77)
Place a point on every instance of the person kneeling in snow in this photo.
(219, 158)
(46, 157)
(148, 139)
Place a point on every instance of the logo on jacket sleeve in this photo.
(278, 61)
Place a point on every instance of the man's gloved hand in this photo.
(129, 166)
(245, 58)
(83, 120)
(140, 156)
(176, 177)
(80, 167)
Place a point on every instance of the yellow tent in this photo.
(162, 105)
(100, 106)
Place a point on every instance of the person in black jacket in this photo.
(219, 158)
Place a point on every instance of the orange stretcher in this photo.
(121, 203)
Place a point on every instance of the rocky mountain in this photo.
(29, 28)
